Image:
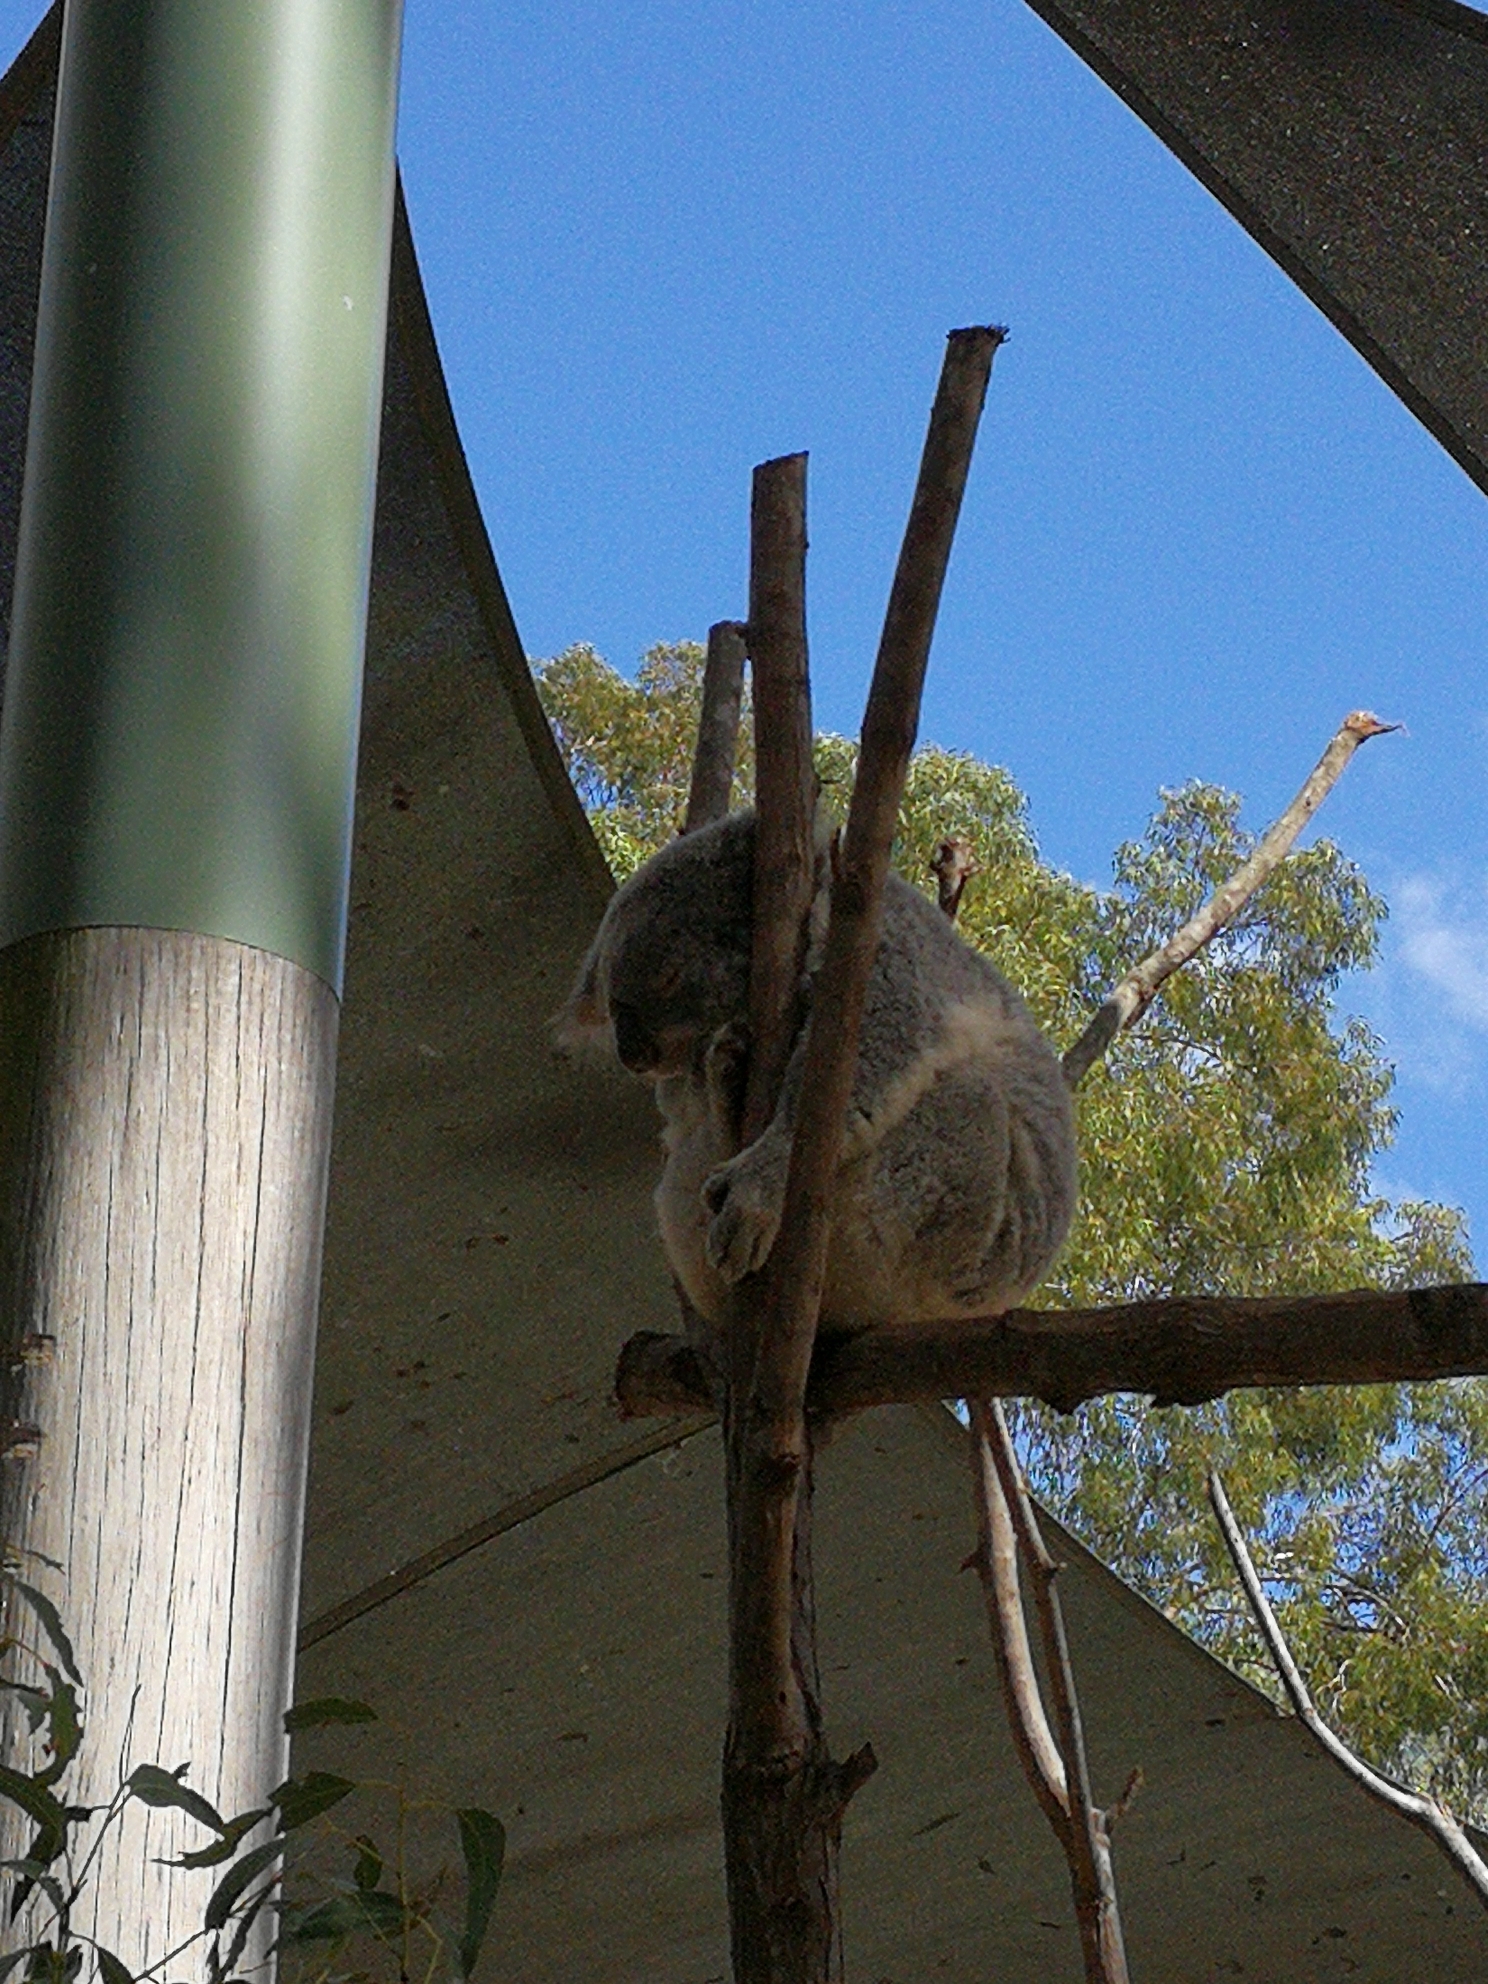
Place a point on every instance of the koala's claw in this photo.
(746, 1219)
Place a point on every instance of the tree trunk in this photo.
(165, 1108)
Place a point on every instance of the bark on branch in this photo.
(996, 1563)
(718, 726)
(1433, 1819)
(1180, 1350)
(785, 783)
(1061, 1783)
(783, 1796)
(1139, 988)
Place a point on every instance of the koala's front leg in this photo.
(746, 1196)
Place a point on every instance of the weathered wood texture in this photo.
(784, 780)
(783, 1796)
(781, 1812)
(1179, 1351)
(712, 782)
(165, 1106)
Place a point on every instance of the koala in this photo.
(956, 1184)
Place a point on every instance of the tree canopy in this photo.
(1227, 1145)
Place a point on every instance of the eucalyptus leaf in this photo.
(66, 1727)
(154, 1786)
(483, 1842)
(300, 1799)
(35, 1701)
(343, 1915)
(326, 1709)
(368, 1869)
(233, 1833)
(44, 1848)
(52, 1626)
(246, 1921)
(110, 1969)
(34, 1799)
(232, 1884)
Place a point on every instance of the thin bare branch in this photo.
(996, 1562)
(718, 726)
(1424, 1812)
(1087, 1840)
(996, 1557)
(1140, 986)
(1179, 1350)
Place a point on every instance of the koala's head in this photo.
(669, 964)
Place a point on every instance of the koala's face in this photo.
(670, 962)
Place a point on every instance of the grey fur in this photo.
(957, 1182)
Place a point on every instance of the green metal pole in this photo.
(180, 719)
(177, 759)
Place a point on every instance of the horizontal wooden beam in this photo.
(1179, 1351)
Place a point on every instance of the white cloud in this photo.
(1444, 940)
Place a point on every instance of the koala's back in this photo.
(959, 1185)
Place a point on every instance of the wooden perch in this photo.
(1426, 1813)
(784, 779)
(1178, 1350)
(783, 1797)
(718, 726)
(889, 727)
(1064, 1791)
(782, 1793)
(1139, 988)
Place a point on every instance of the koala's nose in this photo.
(633, 1042)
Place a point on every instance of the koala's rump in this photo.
(958, 1209)
(964, 1205)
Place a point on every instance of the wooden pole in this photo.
(783, 1795)
(712, 781)
(777, 1788)
(176, 775)
(784, 780)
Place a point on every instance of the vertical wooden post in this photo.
(176, 776)
(783, 1795)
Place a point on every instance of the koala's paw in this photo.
(744, 1198)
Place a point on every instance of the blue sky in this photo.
(665, 241)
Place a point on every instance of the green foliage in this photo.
(379, 1918)
(628, 746)
(1227, 1146)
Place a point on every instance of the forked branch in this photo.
(783, 1798)
(996, 1563)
